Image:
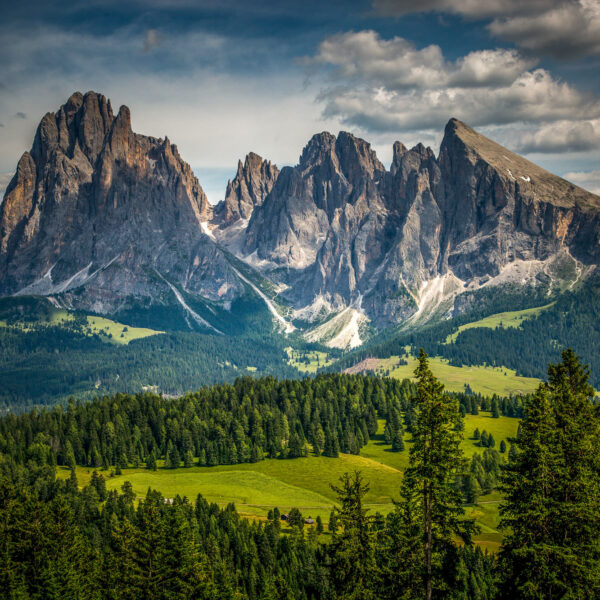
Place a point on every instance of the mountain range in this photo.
(101, 219)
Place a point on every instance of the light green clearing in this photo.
(504, 319)
(315, 358)
(121, 334)
(501, 428)
(305, 482)
(108, 330)
(482, 380)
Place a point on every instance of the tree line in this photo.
(221, 424)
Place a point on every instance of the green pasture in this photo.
(107, 329)
(305, 483)
(504, 319)
(307, 361)
(481, 379)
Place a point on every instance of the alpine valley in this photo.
(117, 274)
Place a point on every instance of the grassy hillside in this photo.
(482, 380)
(513, 319)
(255, 488)
(106, 329)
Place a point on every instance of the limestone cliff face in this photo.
(100, 215)
(248, 189)
(339, 230)
(97, 207)
(347, 231)
(500, 208)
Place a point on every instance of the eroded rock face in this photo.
(349, 232)
(248, 189)
(339, 230)
(500, 208)
(101, 215)
(98, 207)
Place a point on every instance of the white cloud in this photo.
(589, 180)
(469, 8)
(569, 30)
(213, 114)
(377, 85)
(364, 56)
(562, 136)
(560, 28)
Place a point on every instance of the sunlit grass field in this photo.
(505, 319)
(482, 380)
(107, 329)
(307, 361)
(305, 483)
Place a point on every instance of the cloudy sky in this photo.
(223, 77)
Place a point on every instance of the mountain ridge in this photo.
(100, 218)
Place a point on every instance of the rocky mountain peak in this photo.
(96, 206)
(319, 147)
(253, 181)
(356, 157)
(80, 125)
(102, 217)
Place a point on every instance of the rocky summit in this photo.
(100, 218)
(97, 215)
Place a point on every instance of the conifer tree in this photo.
(398, 442)
(332, 525)
(352, 548)
(72, 482)
(319, 522)
(495, 409)
(431, 503)
(552, 492)
(151, 461)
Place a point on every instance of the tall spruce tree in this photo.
(431, 502)
(551, 512)
(352, 548)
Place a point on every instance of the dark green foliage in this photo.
(221, 424)
(431, 508)
(57, 543)
(352, 548)
(573, 321)
(46, 364)
(495, 409)
(552, 491)
(319, 524)
(295, 519)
